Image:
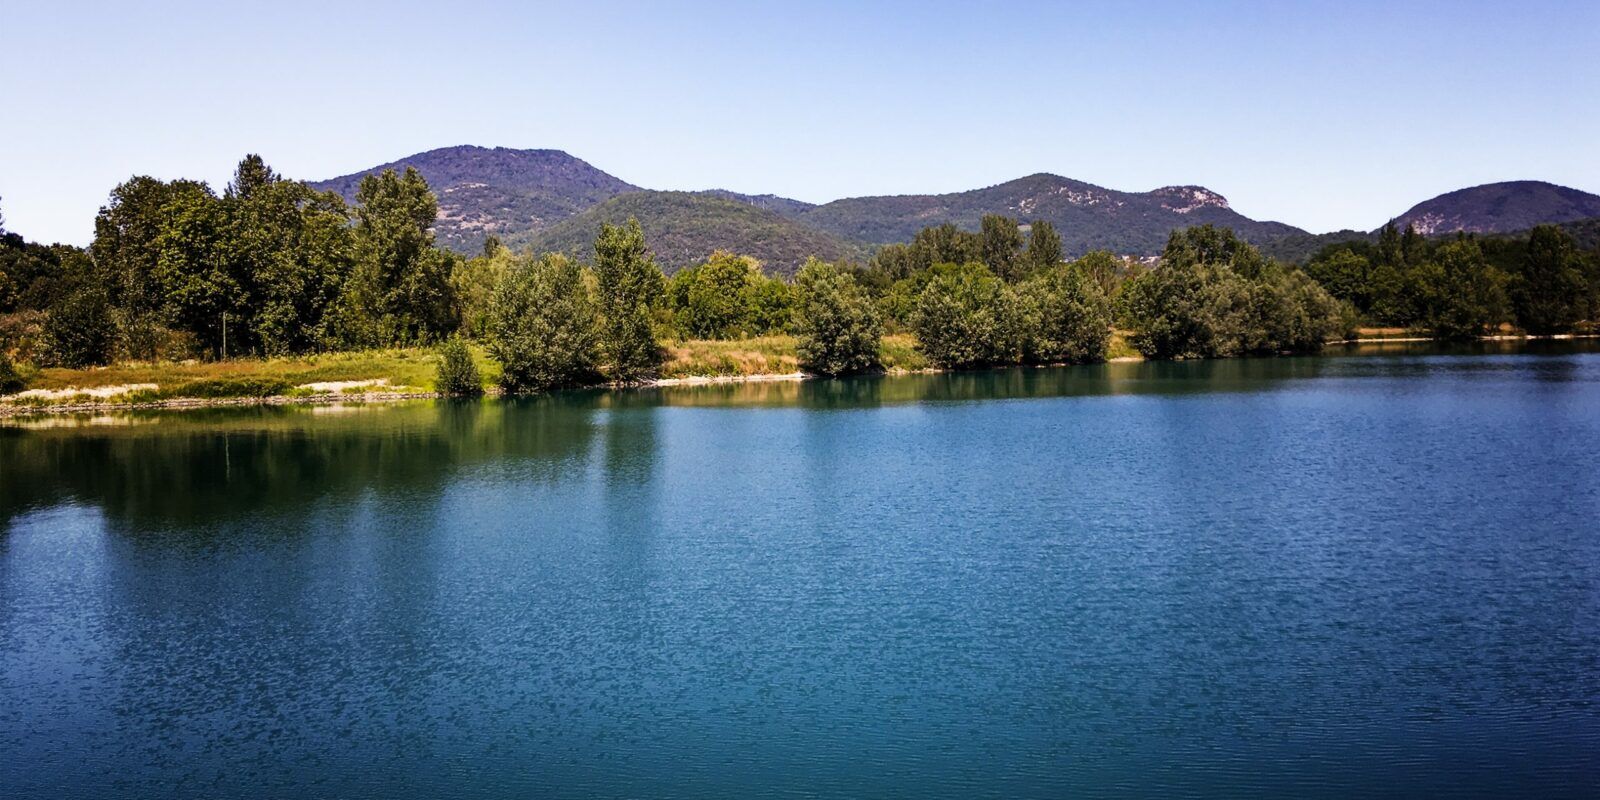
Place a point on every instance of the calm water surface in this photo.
(1369, 575)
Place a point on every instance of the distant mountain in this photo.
(549, 199)
(1500, 208)
(682, 228)
(1088, 217)
(501, 191)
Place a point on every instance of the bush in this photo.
(80, 331)
(966, 317)
(11, 381)
(542, 327)
(1064, 316)
(458, 374)
(22, 334)
(838, 324)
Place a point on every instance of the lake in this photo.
(1366, 574)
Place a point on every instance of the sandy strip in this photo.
(98, 392)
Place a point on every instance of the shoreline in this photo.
(10, 410)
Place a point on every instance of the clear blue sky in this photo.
(1323, 115)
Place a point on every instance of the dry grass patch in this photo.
(763, 355)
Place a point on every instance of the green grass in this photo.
(1120, 348)
(404, 368)
(899, 351)
(415, 369)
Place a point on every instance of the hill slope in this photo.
(509, 193)
(1500, 208)
(682, 228)
(1088, 217)
(771, 202)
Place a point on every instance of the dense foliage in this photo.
(399, 288)
(1216, 296)
(838, 324)
(542, 326)
(727, 297)
(1063, 315)
(967, 317)
(1464, 286)
(627, 284)
(458, 374)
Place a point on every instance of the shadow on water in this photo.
(191, 468)
(1162, 378)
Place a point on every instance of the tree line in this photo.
(1465, 285)
(271, 267)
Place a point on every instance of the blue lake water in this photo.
(1361, 575)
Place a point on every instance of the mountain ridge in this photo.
(1499, 207)
(1087, 216)
(517, 195)
(498, 191)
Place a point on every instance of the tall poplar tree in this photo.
(628, 282)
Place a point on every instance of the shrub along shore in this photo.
(272, 291)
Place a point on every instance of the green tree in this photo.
(628, 282)
(1413, 247)
(473, 282)
(1178, 310)
(125, 251)
(79, 331)
(1044, 246)
(946, 244)
(1002, 247)
(399, 291)
(838, 325)
(1104, 268)
(125, 240)
(1065, 317)
(542, 326)
(1346, 275)
(190, 273)
(1389, 251)
(965, 317)
(458, 373)
(1463, 296)
(31, 274)
(1214, 247)
(1290, 312)
(1550, 293)
(769, 305)
(1214, 296)
(710, 300)
(290, 250)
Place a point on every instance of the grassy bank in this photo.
(392, 373)
(375, 373)
(409, 368)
